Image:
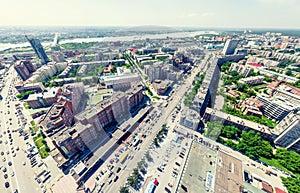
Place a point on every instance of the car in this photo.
(3, 159)
(116, 178)
(6, 184)
(12, 174)
(110, 181)
(159, 169)
(110, 174)
(2, 153)
(9, 163)
(5, 176)
(16, 191)
(4, 169)
(118, 170)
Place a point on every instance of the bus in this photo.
(124, 157)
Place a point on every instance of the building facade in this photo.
(230, 47)
(24, 69)
(38, 49)
(288, 131)
(189, 118)
(254, 80)
(276, 108)
(241, 69)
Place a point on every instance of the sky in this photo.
(189, 13)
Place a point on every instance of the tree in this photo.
(230, 132)
(148, 157)
(289, 73)
(233, 73)
(242, 87)
(139, 165)
(288, 159)
(254, 146)
(292, 184)
(124, 190)
(214, 129)
(268, 79)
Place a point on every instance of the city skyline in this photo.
(192, 13)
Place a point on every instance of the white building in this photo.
(241, 69)
(254, 80)
(189, 118)
(288, 131)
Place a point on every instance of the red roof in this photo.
(273, 84)
(278, 190)
(254, 64)
(266, 187)
(156, 182)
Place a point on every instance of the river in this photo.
(4, 46)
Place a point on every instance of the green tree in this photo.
(289, 73)
(230, 132)
(233, 73)
(124, 190)
(214, 129)
(292, 184)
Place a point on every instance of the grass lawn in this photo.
(43, 147)
(39, 142)
(43, 152)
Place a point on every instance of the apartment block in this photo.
(243, 124)
(276, 107)
(112, 110)
(230, 47)
(288, 132)
(241, 69)
(44, 99)
(38, 87)
(58, 117)
(189, 118)
(46, 71)
(253, 80)
(24, 69)
(135, 96)
(122, 82)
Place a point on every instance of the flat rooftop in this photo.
(229, 174)
(255, 126)
(199, 167)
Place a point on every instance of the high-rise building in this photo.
(288, 131)
(230, 47)
(30, 67)
(21, 68)
(38, 49)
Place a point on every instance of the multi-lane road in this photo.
(174, 100)
(19, 176)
